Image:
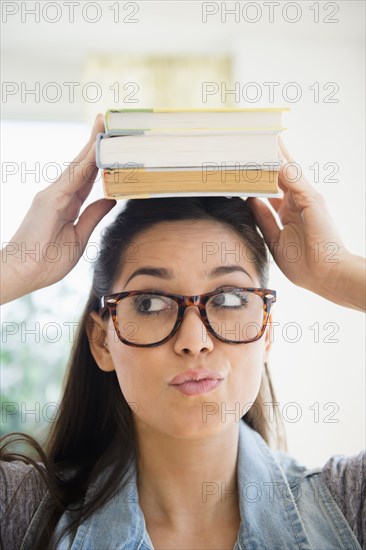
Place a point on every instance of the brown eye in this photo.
(230, 300)
(146, 304)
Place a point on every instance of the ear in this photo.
(97, 336)
(268, 337)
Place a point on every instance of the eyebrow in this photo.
(167, 274)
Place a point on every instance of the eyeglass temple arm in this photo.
(102, 305)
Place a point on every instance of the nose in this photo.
(192, 307)
(192, 335)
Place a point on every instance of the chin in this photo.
(187, 427)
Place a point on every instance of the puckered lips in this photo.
(197, 381)
(195, 375)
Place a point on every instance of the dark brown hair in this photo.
(94, 425)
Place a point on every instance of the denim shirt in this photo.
(283, 506)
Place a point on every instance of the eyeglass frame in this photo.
(110, 303)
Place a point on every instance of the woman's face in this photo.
(190, 250)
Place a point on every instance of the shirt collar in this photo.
(269, 515)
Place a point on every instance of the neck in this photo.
(188, 483)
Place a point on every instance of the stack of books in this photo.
(146, 153)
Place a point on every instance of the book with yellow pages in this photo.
(190, 152)
(138, 182)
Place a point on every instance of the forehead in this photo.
(186, 233)
(188, 247)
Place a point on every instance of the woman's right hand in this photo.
(50, 230)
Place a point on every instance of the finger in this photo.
(285, 208)
(280, 153)
(284, 151)
(266, 223)
(90, 173)
(90, 218)
(291, 177)
(97, 128)
(275, 202)
(289, 165)
(79, 179)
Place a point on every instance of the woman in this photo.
(143, 454)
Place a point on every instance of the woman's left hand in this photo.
(308, 248)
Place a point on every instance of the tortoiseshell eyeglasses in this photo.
(146, 319)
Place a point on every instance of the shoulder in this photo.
(17, 476)
(294, 470)
(344, 473)
(22, 489)
(345, 477)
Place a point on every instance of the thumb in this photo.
(266, 223)
(90, 218)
